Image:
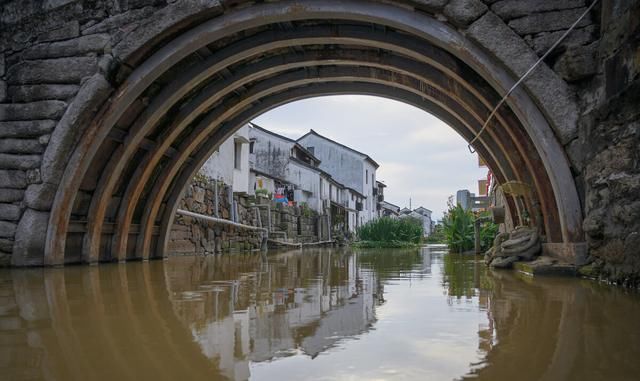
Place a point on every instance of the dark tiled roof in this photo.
(303, 149)
(367, 157)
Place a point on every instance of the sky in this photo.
(420, 156)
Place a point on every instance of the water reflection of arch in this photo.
(69, 326)
(558, 329)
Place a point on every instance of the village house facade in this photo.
(388, 209)
(421, 213)
(230, 162)
(353, 169)
(335, 181)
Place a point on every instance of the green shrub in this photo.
(488, 231)
(392, 232)
(437, 236)
(458, 228)
(305, 210)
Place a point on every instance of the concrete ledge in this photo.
(546, 266)
(574, 253)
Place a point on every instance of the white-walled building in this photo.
(351, 168)
(330, 178)
(230, 162)
(278, 161)
(388, 209)
(422, 214)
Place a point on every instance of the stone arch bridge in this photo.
(110, 106)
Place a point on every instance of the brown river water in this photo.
(318, 314)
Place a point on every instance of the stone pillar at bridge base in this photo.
(573, 252)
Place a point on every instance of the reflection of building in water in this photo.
(301, 303)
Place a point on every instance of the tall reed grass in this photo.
(390, 232)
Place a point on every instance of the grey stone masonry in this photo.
(12, 179)
(510, 9)
(193, 236)
(548, 21)
(33, 110)
(30, 93)
(26, 129)
(464, 12)
(54, 70)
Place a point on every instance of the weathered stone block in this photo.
(577, 63)
(68, 30)
(510, 9)
(56, 70)
(75, 120)
(16, 11)
(32, 110)
(117, 21)
(31, 236)
(432, 6)
(68, 48)
(541, 42)
(575, 153)
(10, 195)
(26, 129)
(549, 21)
(7, 229)
(26, 146)
(33, 176)
(545, 86)
(3, 91)
(6, 245)
(9, 212)
(44, 139)
(24, 162)
(30, 93)
(463, 12)
(13, 179)
(160, 21)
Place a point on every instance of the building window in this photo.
(251, 146)
(312, 150)
(366, 176)
(237, 155)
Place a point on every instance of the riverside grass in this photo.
(390, 232)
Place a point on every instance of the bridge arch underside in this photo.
(121, 187)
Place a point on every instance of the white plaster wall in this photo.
(307, 180)
(342, 164)
(241, 176)
(368, 183)
(270, 153)
(220, 165)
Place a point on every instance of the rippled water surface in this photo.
(313, 315)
